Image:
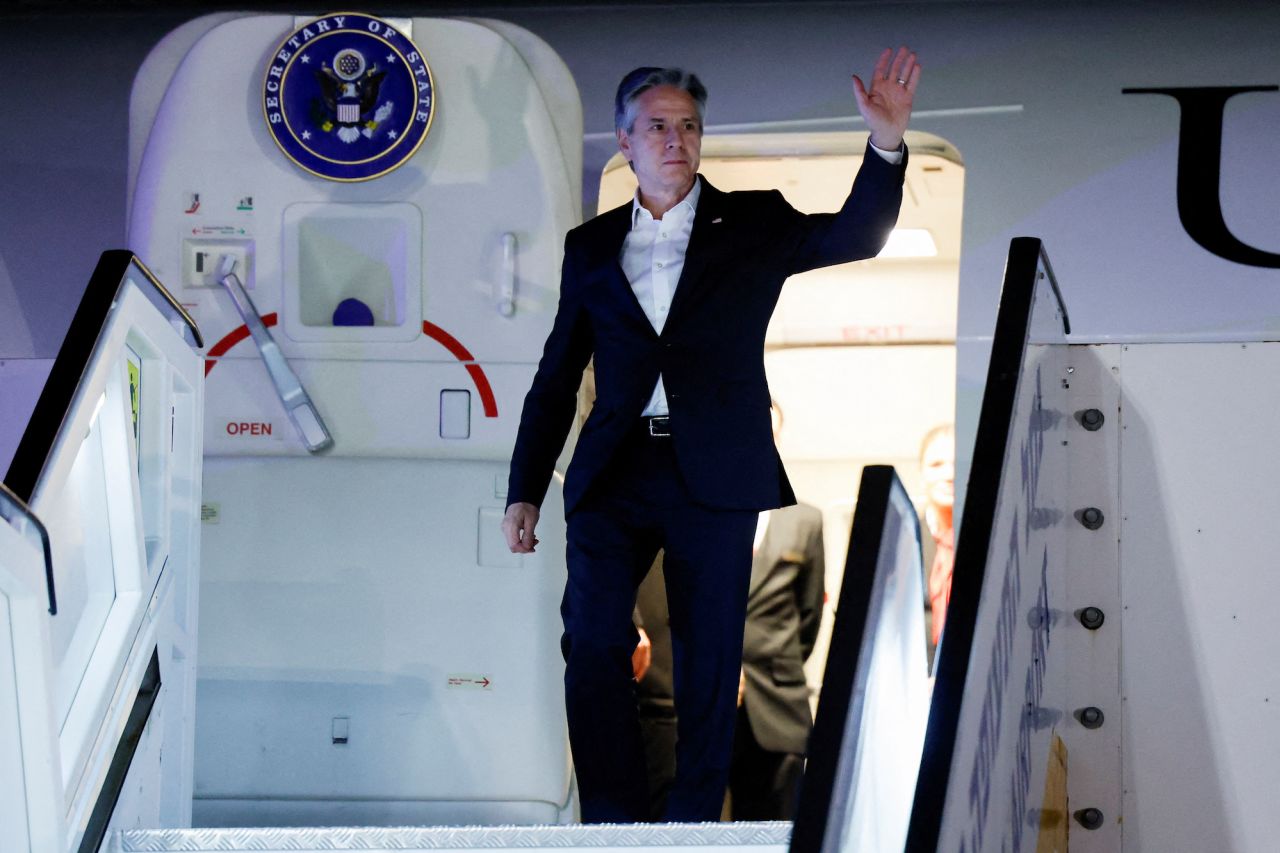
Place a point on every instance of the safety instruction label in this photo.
(219, 231)
(471, 681)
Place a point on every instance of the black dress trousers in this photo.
(640, 504)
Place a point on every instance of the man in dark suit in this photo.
(784, 609)
(672, 294)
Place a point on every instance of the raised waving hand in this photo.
(886, 104)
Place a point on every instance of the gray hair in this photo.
(641, 80)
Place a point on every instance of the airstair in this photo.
(101, 573)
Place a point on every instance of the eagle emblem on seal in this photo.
(349, 95)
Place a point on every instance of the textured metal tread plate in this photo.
(762, 834)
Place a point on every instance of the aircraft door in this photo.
(371, 653)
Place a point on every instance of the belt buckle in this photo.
(657, 430)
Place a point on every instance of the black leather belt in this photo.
(658, 426)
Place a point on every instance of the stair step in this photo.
(762, 837)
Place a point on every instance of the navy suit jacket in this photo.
(710, 354)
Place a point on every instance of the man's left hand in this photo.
(886, 104)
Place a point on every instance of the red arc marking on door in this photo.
(464, 355)
(452, 344)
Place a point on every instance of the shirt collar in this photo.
(690, 202)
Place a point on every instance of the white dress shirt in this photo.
(762, 527)
(653, 258)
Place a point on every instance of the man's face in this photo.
(665, 142)
(939, 468)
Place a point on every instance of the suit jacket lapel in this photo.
(706, 227)
(614, 225)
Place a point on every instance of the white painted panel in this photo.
(353, 588)
(13, 805)
(1202, 692)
